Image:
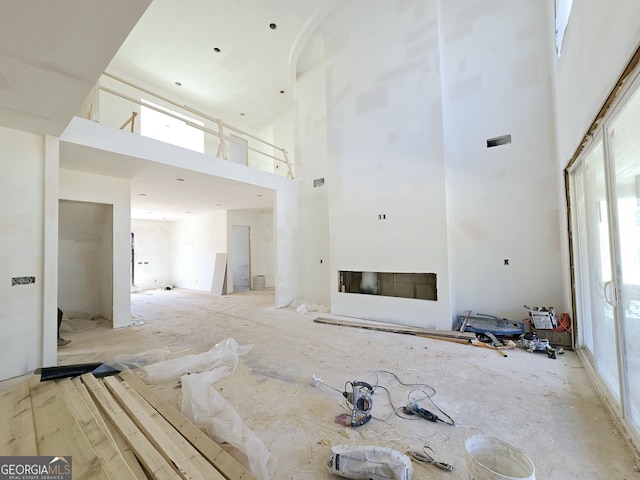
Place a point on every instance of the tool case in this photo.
(482, 323)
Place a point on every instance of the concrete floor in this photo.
(546, 407)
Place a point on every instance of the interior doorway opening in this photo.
(85, 258)
(240, 258)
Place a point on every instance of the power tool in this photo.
(359, 400)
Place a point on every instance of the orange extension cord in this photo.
(564, 323)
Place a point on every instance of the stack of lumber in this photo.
(115, 428)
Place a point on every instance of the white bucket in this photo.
(489, 458)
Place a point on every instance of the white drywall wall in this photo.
(22, 157)
(385, 154)
(261, 243)
(85, 187)
(600, 39)
(85, 258)
(50, 264)
(153, 259)
(502, 202)
(287, 244)
(283, 138)
(311, 163)
(194, 244)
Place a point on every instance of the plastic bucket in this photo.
(489, 458)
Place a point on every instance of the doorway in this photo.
(238, 150)
(85, 258)
(240, 258)
(605, 192)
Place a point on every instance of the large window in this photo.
(563, 10)
(167, 128)
(605, 194)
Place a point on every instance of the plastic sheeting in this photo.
(223, 356)
(206, 408)
(201, 403)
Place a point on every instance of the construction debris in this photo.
(483, 323)
(382, 327)
(116, 428)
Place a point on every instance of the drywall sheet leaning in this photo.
(218, 285)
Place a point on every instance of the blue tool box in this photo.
(482, 323)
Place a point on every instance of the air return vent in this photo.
(497, 141)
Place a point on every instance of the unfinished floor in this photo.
(546, 407)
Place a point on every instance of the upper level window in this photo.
(154, 124)
(563, 10)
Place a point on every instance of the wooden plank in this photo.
(154, 463)
(461, 341)
(222, 460)
(126, 451)
(98, 437)
(110, 430)
(58, 433)
(397, 329)
(164, 437)
(17, 436)
(201, 463)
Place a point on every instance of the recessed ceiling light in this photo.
(187, 212)
(259, 195)
(142, 194)
(178, 84)
(180, 179)
(216, 49)
(242, 114)
(218, 204)
(273, 26)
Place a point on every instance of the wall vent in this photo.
(318, 182)
(497, 141)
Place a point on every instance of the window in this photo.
(166, 128)
(563, 10)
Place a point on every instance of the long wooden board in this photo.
(198, 460)
(99, 439)
(17, 435)
(222, 460)
(397, 329)
(154, 463)
(185, 460)
(107, 426)
(58, 433)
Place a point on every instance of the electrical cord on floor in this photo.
(412, 406)
(388, 419)
(424, 385)
(415, 408)
(427, 455)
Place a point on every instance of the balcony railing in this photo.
(118, 102)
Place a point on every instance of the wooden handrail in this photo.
(131, 120)
(221, 153)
